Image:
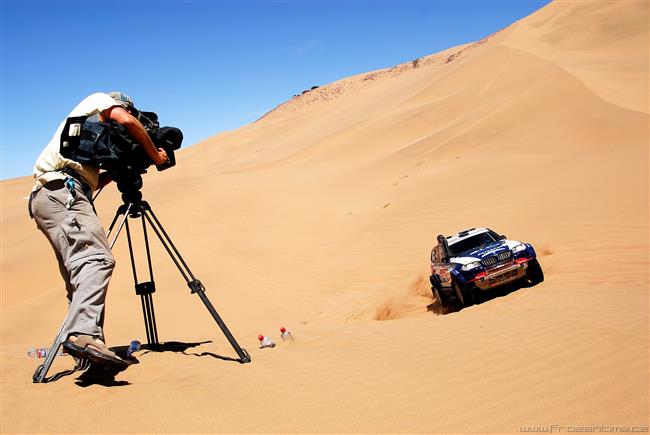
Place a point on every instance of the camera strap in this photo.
(97, 194)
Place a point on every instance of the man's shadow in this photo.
(97, 375)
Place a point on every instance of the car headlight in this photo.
(520, 247)
(470, 266)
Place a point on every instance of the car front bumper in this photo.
(501, 275)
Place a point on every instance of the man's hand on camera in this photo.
(136, 131)
(162, 157)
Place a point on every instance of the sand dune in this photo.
(320, 217)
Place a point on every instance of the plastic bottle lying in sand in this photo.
(41, 352)
(285, 335)
(133, 347)
(265, 341)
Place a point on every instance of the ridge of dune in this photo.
(320, 217)
(606, 47)
(341, 87)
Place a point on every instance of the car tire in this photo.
(439, 295)
(534, 272)
(442, 300)
(463, 294)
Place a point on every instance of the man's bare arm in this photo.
(137, 132)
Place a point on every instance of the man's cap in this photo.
(122, 99)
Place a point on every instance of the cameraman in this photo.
(61, 205)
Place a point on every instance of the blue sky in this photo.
(207, 66)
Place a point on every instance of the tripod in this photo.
(134, 207)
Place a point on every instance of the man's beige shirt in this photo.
(49, 164)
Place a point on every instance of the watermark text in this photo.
(558, 428)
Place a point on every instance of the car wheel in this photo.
(439, 295)
(442, 300)
(463, 294)
(534, 272)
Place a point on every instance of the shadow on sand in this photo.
(499, 292)
(180, 347)
(96, 375)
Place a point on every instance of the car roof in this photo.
(462, 235)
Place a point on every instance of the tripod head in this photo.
(133, 197)
(130, 184)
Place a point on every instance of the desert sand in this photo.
(320, 217)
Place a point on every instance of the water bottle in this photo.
(133, 347)
(41, 352)
(265, 342)
(285, 335)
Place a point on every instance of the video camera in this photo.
(108, 145)
(135, 161)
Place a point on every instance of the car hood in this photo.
(484, 251)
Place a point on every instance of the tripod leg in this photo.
(193, 283)
(243, 355)
(149, 318)
(168, 245)
(41, 370)
(144, 289)
(147, 298)
(124, 209)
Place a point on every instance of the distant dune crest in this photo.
(342, 87)
(559, 26)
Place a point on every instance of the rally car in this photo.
(477, 260)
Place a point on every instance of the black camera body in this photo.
(167, 138)
(108, 145)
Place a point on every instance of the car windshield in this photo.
(473, 242)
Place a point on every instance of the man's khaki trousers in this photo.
(82, 250)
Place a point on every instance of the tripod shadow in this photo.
(64, 373)
(106, 377)
(93, 375)
(181, 347)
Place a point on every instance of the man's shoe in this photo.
(86, 347)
